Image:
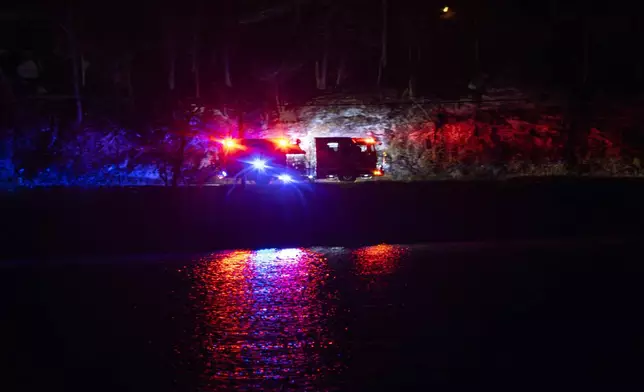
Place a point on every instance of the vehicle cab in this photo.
(260, 160)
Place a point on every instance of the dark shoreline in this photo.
(65, 222)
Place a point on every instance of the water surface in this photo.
(385, 317)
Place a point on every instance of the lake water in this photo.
(385, 317)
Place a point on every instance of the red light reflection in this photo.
(263, 322)
(379, 259)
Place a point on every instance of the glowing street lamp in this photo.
(447, 13)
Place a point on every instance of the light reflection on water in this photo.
(379, 259)
(264, 316)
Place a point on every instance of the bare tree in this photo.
(195, 49)
(341, 72)
(321, 71)
(227, 79)
(68, 28)
(412, 31)
(229, 23)
(171, 52)
(276, 77)
(383, 43)
(123, 75)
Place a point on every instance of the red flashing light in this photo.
(231, 144)
(282, 143)
(377, 173)
(370, 140)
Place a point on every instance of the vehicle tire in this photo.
(347, 178)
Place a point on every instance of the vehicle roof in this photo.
(356, 140)
(269, 144)
(256, 142)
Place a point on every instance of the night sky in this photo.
(529, 44)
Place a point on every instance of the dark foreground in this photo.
(50, 223)
(523, 317)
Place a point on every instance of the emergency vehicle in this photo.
(260, 160)
(266, 160)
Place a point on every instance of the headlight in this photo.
(259, 164)
(285, 178)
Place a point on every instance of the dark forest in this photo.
(133, 92)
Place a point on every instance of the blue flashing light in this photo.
(259, 164)
(285, 178)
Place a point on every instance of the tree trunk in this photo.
(77, 95)
(172, 54)
(230, 25)
(586, 54)
(83, 70)
(410, 81)
(76, 77)
(383, 44)
(178, 163)
(340, 74)
(197, 81)
(195, 67)
(477, 62)
(298, 12)
(195, 51)
(128, 80)
(227, 79)
(321, 71)
(278, 101)
(240, 125)
(324, 69)
(576, 145)
(317, 74)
